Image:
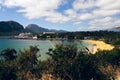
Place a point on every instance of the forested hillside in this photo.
(10, 27)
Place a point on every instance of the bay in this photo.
(43, 45)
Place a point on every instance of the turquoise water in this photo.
(43, 45)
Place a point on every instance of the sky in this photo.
(70, 15)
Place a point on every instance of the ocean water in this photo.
(43, 45)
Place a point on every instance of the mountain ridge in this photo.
(115, 29)
(37, 29)
(10, 27)
(14, 28)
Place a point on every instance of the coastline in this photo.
(96, 44)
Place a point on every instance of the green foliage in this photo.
(23, 66)
(105, 57)
(10, 27)
(63, 57)
(7, 71)
(69, 64)
(107, 36)
(8, 54)
(26, 63)
(7, 64)
(65, 63)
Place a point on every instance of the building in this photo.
(24, 36)
(35, 37)
(48, 32)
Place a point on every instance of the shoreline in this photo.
(95, 44)
(98, 45)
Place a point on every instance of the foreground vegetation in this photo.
(65, 63)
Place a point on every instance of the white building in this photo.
(24, 35)
(35, 37)
(48, 32)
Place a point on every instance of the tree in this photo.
(70, 64)
(27, 64)
(7, 64)
(63, 57)
(7, 71)
(9, 54)
(21, 66)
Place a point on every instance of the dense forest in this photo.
(65, 63)
(10, 28)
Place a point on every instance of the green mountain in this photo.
(37, 29)
(10, 27)
(14, 28)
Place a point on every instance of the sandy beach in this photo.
(99, 45)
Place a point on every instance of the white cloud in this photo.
(56, 17)
(101, 12)
(71, 13)
(85, 16)
(108, 4)
(0, 8)
(102, 4)
(1, 1)
(106, 22)
(0, 5)
(90, 9)
(83, 4)
(77, 22)
(38, 9)
(97, 14)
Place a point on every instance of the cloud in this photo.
(108, 4)
(77, 22)
(106, 22)
(56, 17)
(0, 5)
(101, 4)
(85, 16)
(83, 4)
(1, 2)
(1, 9)
(71, 13)
(90, 9)
(38, 9)
(95, 12)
